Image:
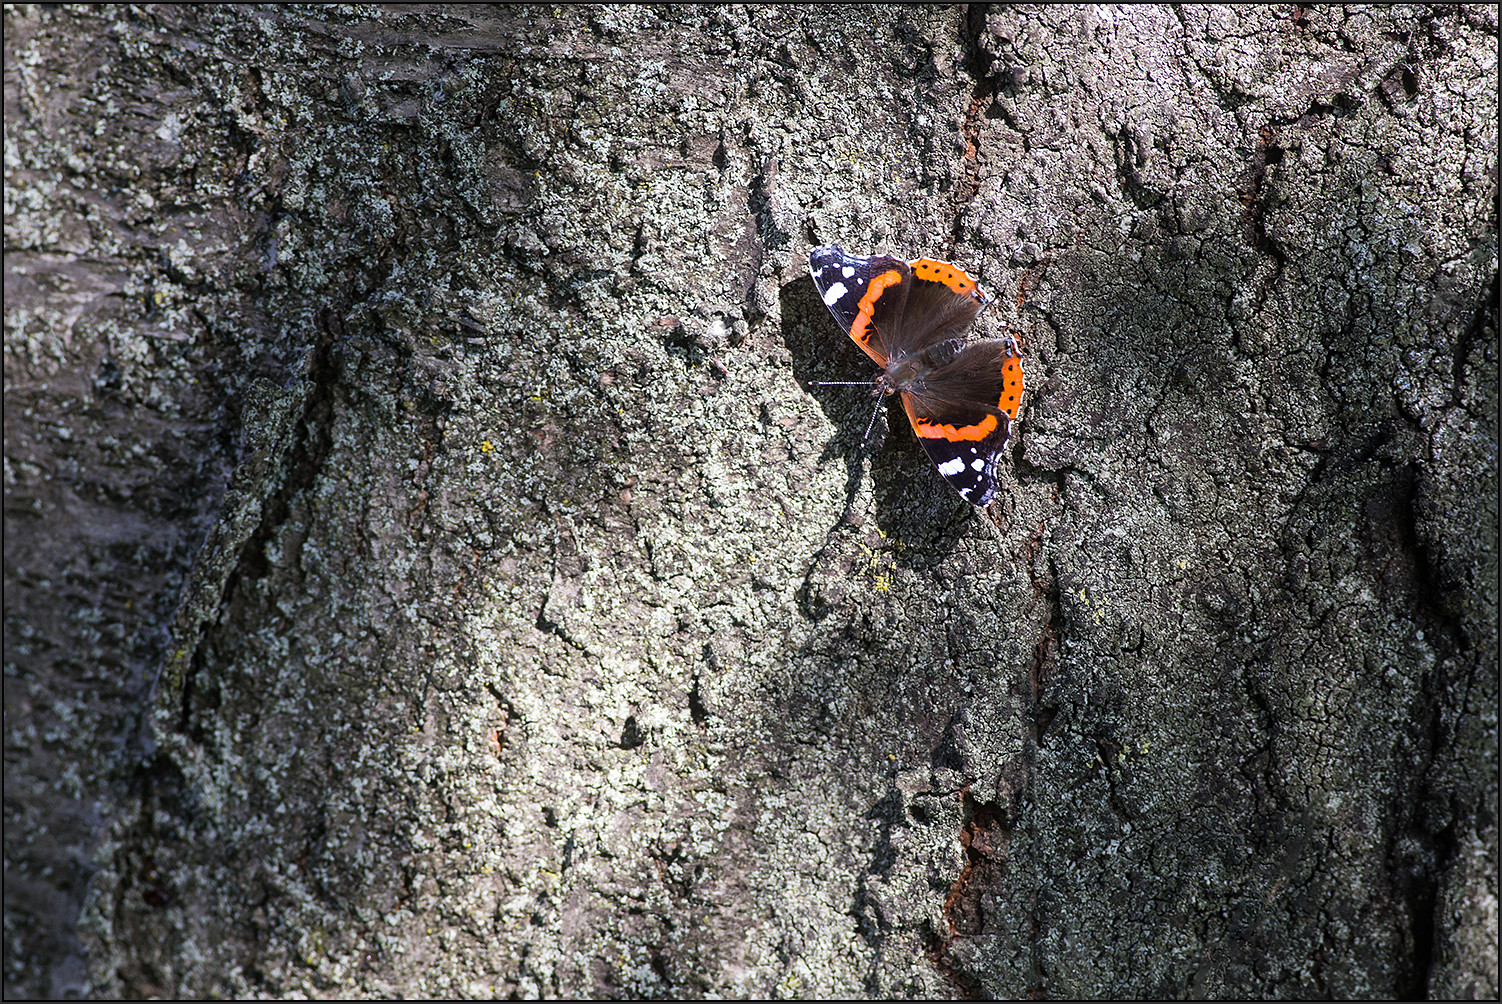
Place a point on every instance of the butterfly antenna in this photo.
(872, 424)
(856, 383)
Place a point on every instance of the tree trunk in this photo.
(431, 568)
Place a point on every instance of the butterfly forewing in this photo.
(933, 314)
(867, 296)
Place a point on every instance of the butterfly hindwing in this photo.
(962, 412)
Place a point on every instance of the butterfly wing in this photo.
(962, 412)
(940, 307)
(867, 296)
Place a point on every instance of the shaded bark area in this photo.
(431, 569)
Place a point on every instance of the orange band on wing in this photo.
(968, 432)
(933, 430)
(955, 278)
(1011, 387)
(858, 327)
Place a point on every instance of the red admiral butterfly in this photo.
(911, 317)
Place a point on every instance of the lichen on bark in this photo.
(431, 569)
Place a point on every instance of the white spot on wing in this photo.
(833, 293)
(950, 468)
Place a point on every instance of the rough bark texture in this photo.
(430, 571)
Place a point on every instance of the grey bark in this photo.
(429, 569)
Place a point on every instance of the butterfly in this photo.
(911, 318)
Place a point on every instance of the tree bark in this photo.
(431, 569)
